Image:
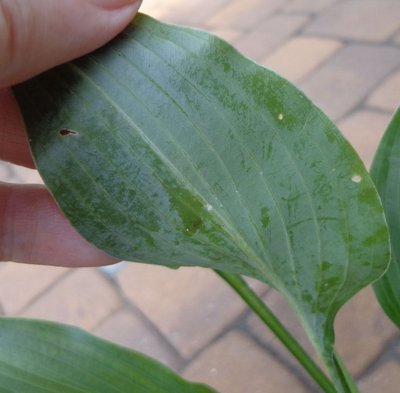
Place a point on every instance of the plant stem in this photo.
(268, 317)
(345, 377)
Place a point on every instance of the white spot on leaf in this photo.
(209, 207)
(356, 178)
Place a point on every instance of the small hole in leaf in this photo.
(356, 179)
(67, 132)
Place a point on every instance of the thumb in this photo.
(37, 35)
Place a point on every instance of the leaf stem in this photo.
(345, 378)
(268, 317)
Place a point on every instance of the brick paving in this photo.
(236, 364)
(359, 20)
(384, 97)
(345, 54)
(364, 129)
(341, 84)
(300, 56)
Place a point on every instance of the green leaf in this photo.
(385, 172)
(44, 357)
(169, 147)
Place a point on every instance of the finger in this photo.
(37, 35)
(33, 230)
(13, 140)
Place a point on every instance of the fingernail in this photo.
(113, 4)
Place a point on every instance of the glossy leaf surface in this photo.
(167, 146)
(385, 172)
(44, 357)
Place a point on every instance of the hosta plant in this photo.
(167, 146)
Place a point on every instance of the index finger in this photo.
(14, 146)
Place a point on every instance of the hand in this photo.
(36, 35)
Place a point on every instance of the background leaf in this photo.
(38, 357)
(385, 172)
(167, 146)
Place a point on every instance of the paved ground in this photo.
(346, 56)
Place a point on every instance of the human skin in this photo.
(36, 35)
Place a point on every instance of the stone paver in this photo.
(241, 14)
(190, 306)
(397, 39)
(386, 379)
(130, 330)
(299, 56)
(309, 6)
(83, 298)
(191, 13)
(236, 364)
(20, 284)
(362, 330)
(396, 347)
(364, 130)
(155, 8)
(340, 85)
(363, 20)
(268, 35)
(387, 95)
